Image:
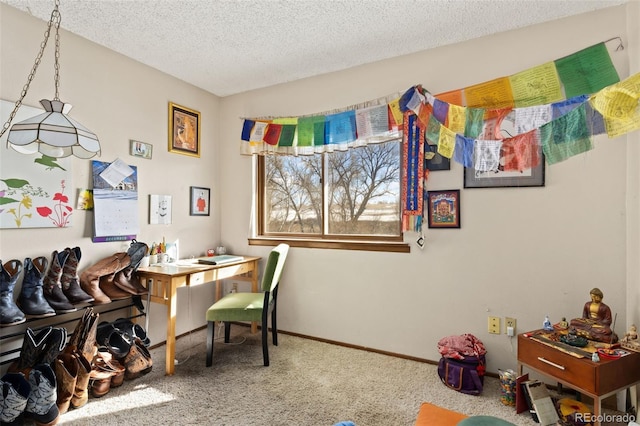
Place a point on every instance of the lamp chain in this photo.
(55, 19)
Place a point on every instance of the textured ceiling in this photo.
(227, 47)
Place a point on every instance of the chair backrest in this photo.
(274, 266)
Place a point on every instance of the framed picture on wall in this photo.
(199, 199)
(444, 209)
(505, 179)
(184, 130)
(140, 149)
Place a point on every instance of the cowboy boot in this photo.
(138, 361)
(52, 286)
(128, 281)
(41, 404)
(80, 391)
(10, 314)
(66, 371)
(33, 346)
(109, 288)
(15, 391)
(90, 277)
(31, 298)
(70, 280)
(83, 338)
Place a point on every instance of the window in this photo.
(338, 198)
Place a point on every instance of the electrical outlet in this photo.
(234, 289)
(510, 326)
(494, 325)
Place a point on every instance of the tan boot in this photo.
(90, 277)
(80, 392)
(109, 288)
(66, 370)
(138, 361)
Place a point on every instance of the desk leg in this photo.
(171, 330)
(254, 288)
(597, 410)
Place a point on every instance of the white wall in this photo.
(520, 252)
(523, 253)
(119, 99)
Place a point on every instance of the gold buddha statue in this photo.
(595, 323)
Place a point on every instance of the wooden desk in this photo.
(595, 379)
(163, 282)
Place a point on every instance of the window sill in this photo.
(394, 247)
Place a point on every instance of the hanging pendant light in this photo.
(51, 133)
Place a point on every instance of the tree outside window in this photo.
(360, 197)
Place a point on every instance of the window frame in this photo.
(323, 241)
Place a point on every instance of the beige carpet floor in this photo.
(308, 383)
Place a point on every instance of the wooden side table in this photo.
(595, 379)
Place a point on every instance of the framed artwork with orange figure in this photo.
(199, 201)
(184, 130)
(444, 209)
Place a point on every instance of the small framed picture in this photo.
(140, 149)
(184, 130)
(199, 201)
(444, 209)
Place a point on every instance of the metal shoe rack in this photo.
(11, 336)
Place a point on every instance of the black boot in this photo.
(52, 286)
(70, 280)
(31, 299)
(10, 314)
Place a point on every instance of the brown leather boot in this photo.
(90, 277)
(52, 286)
(80, 392)
(83, 338)
(70, 280)
(66, 370)
(128, 281)
(109, 288)
(138, 361)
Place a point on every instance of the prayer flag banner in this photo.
(520, 152)
(372, 121)
(474, 121)
(247, 126)
(340, 128)
(453, 97)
(463, 152)
(487, 155)
(493, 94)
(620, 106)
(311, 131)
(456, 118)
(566, 136)
(272, 134)
(536, 86)
(446, 142)
(587, 71)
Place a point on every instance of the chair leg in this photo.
(210, 334)
(227, 331)
(265, 344)
(274, 327)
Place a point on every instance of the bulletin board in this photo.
(115, 207)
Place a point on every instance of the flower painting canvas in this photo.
(35, 190)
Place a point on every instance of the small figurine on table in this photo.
(630, 335)
(595, 323)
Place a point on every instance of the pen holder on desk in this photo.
(153, 259)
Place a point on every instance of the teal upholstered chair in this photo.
(250, 306)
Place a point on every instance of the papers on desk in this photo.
(220, 259)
